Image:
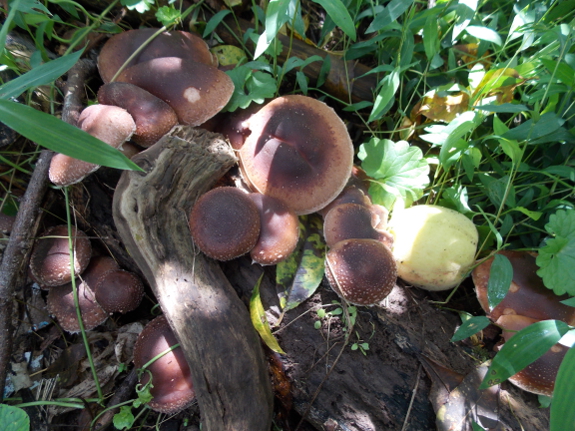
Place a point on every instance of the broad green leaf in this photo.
(259, 320)
(500, 277)
(393, 10)
(522, 349)
(301, 274)
(484, 33)
(41, 75)
(13, 419)
(556, 259)
(53, 133)
(464, 13)
(384, 99)
(124, 419)
(396, 167)
(139, 5)
(548, 123)
(339, 14)
(431, 40)
(562, 411)
(249, 86)
(276, 17)
(470, 327)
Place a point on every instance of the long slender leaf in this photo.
(55, 134)
(470, 327)
(562, 411)
(393, 10)
(338, 12)
(500, 277)
(259, 320)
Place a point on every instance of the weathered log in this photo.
(210, 321)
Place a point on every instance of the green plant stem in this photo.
(76, 301)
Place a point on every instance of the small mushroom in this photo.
(110, 124)
(120, 47)
(362, 271)
(119, 291)
(351, 194)
(196, 91)
(225, 223)
(279, 230)
(527, 295)
(171, 376)
(50, 259)
(539, 376)
(299, 151)
(153, 117)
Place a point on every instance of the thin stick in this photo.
(412, 399)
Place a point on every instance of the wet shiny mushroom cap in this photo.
(180, 44)
(527, 295)
(171, 376)
(153, 117)
(225, 223)
(279, 230)
(539, 376)
(196, 91)
(299, 151)
(362, 271)
(119, 291)
(110, 124)
(50, 259)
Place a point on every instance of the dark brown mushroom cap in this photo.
(351, 194)
(50, 259)
(299, 151)
(527, 295)
(347, 221)
(279, 230)
(362, 271)
(173, 389)
(119, 291)
(153, 117)
(110, 124)
(225, 223)
(194, 90)
(180, 44)
(233, 125)
(60, 302)
(539, 376)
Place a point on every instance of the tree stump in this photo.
(210, 321)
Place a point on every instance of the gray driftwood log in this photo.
(210, 321)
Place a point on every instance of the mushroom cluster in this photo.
(151, 83)
(103, 287)
(527, 301)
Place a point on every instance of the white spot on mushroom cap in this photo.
(192, 94)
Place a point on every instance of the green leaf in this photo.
(500, 277)
(124, 419)
(464, 12)
(13, 419)
(562, 71)
(168, 15)
(301, 274)
(556, 259)
(470, 327)
(384, 99)
(259, 320)
(215, 21)
(397, 166)
(55, 134)
(276, 17)
(139, 5)
(570, 302)
(522, 349)
(562, 411)
(511, 108)
(393, 10)
(41, 75)
(431, 41)
(250, 86)
(339, 14)
(484, 33)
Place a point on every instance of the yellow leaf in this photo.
(259, 320)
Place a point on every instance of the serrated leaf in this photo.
(300, 275)
(396, 166)
(340, 16)
(522, 349)
(55, 134)
(562, 411)
(41, 75)
(260, 322)
(250, 86)
(13, 419)
(500, 278)
(470, 327)
(124, 419)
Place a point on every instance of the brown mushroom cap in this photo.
(194, 90)
(279, 230)
(539, 376)
(153, 117)
(233, 125)
(351, 194)
(225, 223)
(362, 271)
(527, 295)
(110, 124)
(350, 220)
(171, 375)
(50, 260)
(60, 302)
(299, 151)
(180, 44)
(119, 291)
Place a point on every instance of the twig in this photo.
(122, 394)
(412, 399)
(17, 252)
